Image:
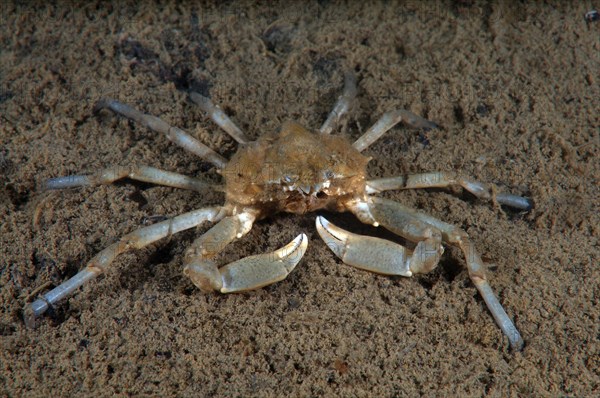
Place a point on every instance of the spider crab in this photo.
(298, 171)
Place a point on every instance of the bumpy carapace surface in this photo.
(295, 171)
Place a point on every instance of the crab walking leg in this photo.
(476, 268)
(173, 134)
(247, 273)
(138, 173)
(386, 122)
(390, 213)
(342, 105)
(379, 255)
(219, 117)
(442, 179)
(135, 240)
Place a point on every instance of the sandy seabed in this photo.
(516, 91)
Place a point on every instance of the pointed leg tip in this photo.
(517, 346)
(432, 126)
(29, 317)
(204, 102)
(515, 201)
(528, 204)
(102, 103)
(514, 337)
(32, 311)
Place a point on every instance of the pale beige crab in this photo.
(297, 171)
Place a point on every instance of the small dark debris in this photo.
(43, 264)
(17, 197)
(324, 68)
(293, 303)
(120, 321)
(5, 95)
(5, 163)
(202, 53)
(330, 378)
(491, 266)
(163, 354)
(400, 50)
(205, 167)
(278, 37)
(84, 343)
(384, 298)
(134, 49)
(229, 111)
(482, 110)
(7, 330)
(188, 290)
(459, 114)
(424, 139)
(464, 3)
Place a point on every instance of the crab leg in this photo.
(342, 105)
(402, 221)
(386, 122)
(135, 240)
(138, 173)
(173, 134)
(380, 255)
(442, 179)
(247, 273)
(475, 266)
(219, 117)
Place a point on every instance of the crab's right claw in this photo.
(375, 254)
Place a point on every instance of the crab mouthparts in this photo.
(307, 190)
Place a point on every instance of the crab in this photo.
(297, 171)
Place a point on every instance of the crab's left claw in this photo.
(263, 269)
(378, 255)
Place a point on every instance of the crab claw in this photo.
(254, 272)
(375, 254)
